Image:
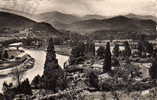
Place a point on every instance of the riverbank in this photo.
(60, 49)
(25, 63)
(39, 57)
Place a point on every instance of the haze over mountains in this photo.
(95, 23)
(61, 20)
(141, 17)
(54, 22)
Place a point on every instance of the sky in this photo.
(83, 7)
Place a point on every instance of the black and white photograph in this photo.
(78, 49)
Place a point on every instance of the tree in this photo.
(25, 87)
(116, 50)
(107, 59)
(153, 69)
(6, 56)
(90, 49)
(17, 74)
(127, 51)
(145, 47)
(28, 42)
(150, 49)
(140, 48)
(93, 48)
(1, 96)
(8, 95)
(78, 50)
(52, 70)
(10, 91)
(115, 62)
(36, 82)
(77, 53)
(5, 87)
(101, 52)
(93, 80)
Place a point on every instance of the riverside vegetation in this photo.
(93, 74)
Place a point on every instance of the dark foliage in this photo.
(93, 80)
(90, 49)
(127, 51)
(153, 69)
(6, 56)
(101, 52)
(10, 92)
(1, 96)
(52, 70)
(25, 87)
(145, 47)
(115, 62)
(77, 53)
(36, 82)
(116, 50)
(107, 60)
(82, 51)
(78, 50)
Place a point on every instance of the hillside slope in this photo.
(119, 23)
(13, 24)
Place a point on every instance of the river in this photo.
(39, 56)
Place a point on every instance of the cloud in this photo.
(103, 7)
(82, 7)
(70, 6)
(115, 7)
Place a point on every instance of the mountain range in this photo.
(150, 17)
(94, 23)
(55, 23)
(62, 21)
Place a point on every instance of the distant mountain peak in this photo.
(61, 13)
(119, 18)
(146, 17)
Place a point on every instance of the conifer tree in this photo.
(52, 70)
(127, 51)
(140, 48)
(6, 54)
(107, 60)
(153, 69)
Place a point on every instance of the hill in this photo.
(57, 19)
(14, 24)
(45, 29)
(150, 17)
(121, 27)
(118, 23)
(62, 21)
(126, 25)
(12, 21)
